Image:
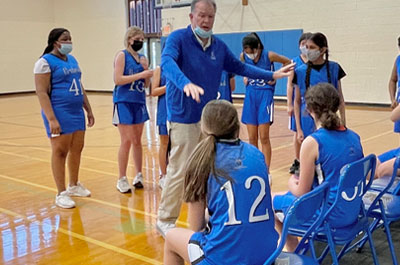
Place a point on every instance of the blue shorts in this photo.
(258, 106)
(162, 129)
(129, 113)
(396, 127)
(306, 121)
(389, 155)
(281, 203)
(292, 123)
(70, 120)
(195, 250)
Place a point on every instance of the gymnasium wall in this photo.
(24, 25)
(362, 35)
(97, 28)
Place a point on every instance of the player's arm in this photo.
(120, 78)
(289, 94)
(232, 83)
(297, 115)
(42, 84)
(196, 215)
(392, 86)
(156, 89)
(274, 57)
(308, 156)
(87, 107)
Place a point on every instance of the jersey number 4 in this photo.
(231, 201)
(75, 88)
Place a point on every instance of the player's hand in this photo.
(194, 91)
(300, 136)
(285, 71)
(290, 109)
(271, 82)
(147, 74)
(55, 127)
(144, 62)
(90, 119)
(394, 104)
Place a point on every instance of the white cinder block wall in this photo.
(362, 34)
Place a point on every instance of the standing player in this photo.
(131, 76)
(317, 70)
(226, 86)
(258, 106)
(299, 60)
(62, 98)
(227, 177)
(158, 86)
(329, 148)
(393, 83)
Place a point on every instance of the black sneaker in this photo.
(295, 167)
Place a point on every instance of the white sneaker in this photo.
(164, 227)
(123, 185)
(138, 181)
(161, 181)
(64, 201)
(78, 191)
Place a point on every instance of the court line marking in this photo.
(88, 239)
(114, 205)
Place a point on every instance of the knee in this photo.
(60, 151)
(264, 140)
(137, 141)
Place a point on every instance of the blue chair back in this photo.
(311, 205)
(353, 184)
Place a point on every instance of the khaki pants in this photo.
(184, 138)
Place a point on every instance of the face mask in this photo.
(313, 55)
(251, 56)
(202, 33)
(65, 48)
(137, 45)
(303, 50)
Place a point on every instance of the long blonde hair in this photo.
(219, 120)
(131, 32)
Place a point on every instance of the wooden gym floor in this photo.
(110, 227)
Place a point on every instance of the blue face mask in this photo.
(202, 33)
(65, 48)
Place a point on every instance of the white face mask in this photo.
(313, 55)
(303, 50)
(251, 56)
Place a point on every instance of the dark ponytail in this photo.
(219, 120)
(323, 100)
(54, 35)
(252, 41)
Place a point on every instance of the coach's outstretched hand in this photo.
(284, 71)
(193, 91)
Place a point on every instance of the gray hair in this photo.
(194, 2)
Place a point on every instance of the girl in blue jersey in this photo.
(325, 151)
(63, 98)
(131, 76)
(228, 178)
(258, 106)
(299, 60)
(158, 87)
(394, 85)
(317, 70)
(226, 86)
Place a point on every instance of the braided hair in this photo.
(321, 41)
(53, 37)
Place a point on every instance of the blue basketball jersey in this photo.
(263, 63)
(162, 104)
(299, 62)
(66, 90)
(240, 210)
(398, 78)
(336, 149)
(224, 90)
(132, 92)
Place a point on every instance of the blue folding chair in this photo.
(384, 208)
(302, 210)
(353, 184)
